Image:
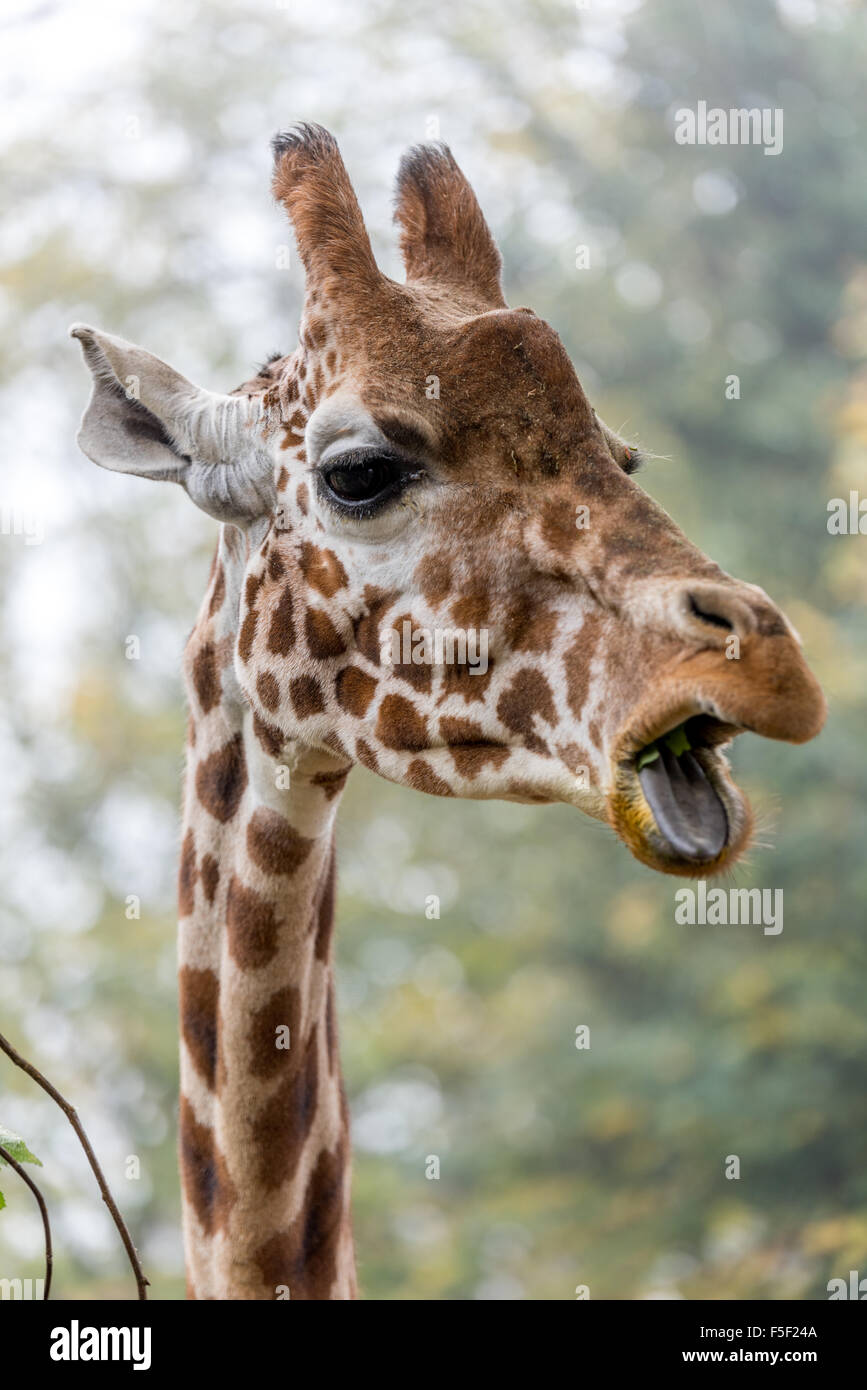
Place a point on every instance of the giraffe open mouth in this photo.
(674, 802)
(687, 808)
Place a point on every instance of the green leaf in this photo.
(15, 1145)
(677, 740)
(2, 1201)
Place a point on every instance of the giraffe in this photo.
(425, 461)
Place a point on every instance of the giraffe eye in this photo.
(365, 479)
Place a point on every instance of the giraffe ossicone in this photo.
(355, 500)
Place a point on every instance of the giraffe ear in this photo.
(311, 182)
(444, 236)
(143, 417)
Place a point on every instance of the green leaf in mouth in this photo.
(676, 739)
(647, 755)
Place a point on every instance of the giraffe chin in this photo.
(642, 826)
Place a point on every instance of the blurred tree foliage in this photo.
(137, 171)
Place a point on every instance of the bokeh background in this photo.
(136, 182)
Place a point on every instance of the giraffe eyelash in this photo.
(377, 477)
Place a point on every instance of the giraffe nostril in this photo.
(707, 612)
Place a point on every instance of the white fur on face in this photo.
(339, 424)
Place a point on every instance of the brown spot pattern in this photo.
(331, 782)
(218, 593)
(206, 677)
(577, 663)
(467, 681)
(221, 780)
(574, 757)
(252, 926)
(331, 1028)
(187, 876)
(367, 627)
(528, 695)
(469, 748)
(270, 737)
(268, 689)
(558, 525)
(471, 611)
(323, 639)
(530, 628)
(281, 632)
(283, 1009)
(322, 569)
(248, 632)
(325, 906)
(433, 576)
(206, 1180)
(273, 844)
(418, 675)
(199, 992)
(355, 690)
(210, 876)
(283, 1121)
(421, 776)
(399, 724)
(365, 755)
(306, 696)
(305, 1257)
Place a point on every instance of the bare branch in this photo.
(43, 1211)
(69, 1111)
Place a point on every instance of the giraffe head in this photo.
(445, 570)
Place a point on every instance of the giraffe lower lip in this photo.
(686, 807)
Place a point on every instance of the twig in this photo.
(43, 1211)
(69, 1111)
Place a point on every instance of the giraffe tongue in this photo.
(687, 810)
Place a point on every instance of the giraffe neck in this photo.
(264, 1138)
